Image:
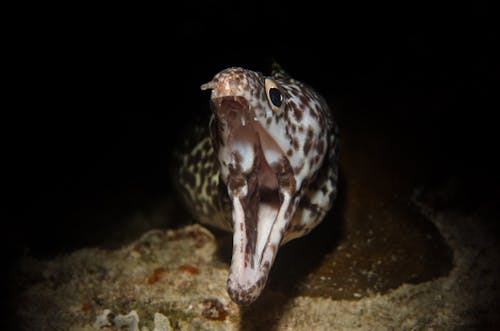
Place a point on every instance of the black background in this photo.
(98, 95)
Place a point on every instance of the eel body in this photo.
(264, 167)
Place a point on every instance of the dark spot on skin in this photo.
(298, 168)
(308, 143)
(259, 93)
(297, 113)
(249, 204)
(310, 132)
(295, 143)
(332, 195)
(206, 144)
(318, 107)
(288, 212)
(237, 158)
(195, 158)
(242, 297)
(203, 172)
(211, 189)
(189, 178)
(238, 78)
(305, 100)
(236, 183)
(298, 228)
(286, 178)
(322, 128)
(305, 203)
(324, 189)
(289, 153)
(268, 121)
(321, 147)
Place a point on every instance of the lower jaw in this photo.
(251, 264)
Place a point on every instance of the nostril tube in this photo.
(208, 86)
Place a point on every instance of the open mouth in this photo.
(255, 167)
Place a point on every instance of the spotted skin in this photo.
(265, 167)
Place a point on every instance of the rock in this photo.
(162, 323)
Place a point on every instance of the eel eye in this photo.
(274, 95)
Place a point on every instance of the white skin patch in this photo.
(246, 152)
(272, 156)
(268, 213)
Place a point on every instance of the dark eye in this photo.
(274, 95)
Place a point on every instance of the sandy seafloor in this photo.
(175, 280)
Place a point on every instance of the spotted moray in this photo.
(264, 167)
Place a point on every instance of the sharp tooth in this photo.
(243, 121)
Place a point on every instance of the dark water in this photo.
(88, 144)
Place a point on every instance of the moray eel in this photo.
(265, 167)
